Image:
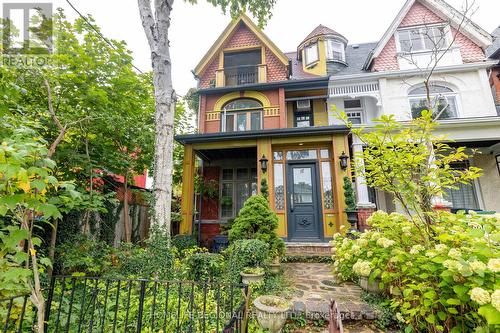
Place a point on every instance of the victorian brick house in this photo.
(265, 114)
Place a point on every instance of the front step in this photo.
(303, 249)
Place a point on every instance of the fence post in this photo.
(49, 303)
(141, 305)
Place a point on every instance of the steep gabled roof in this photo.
(446, 12)
(228, 32)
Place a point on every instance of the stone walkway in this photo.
(314, 288)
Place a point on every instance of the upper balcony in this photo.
(232, 76)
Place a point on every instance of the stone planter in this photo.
(248, 278)
(271, 312)
(372, 287)
(275, 266)
(352, 218)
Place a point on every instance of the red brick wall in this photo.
(363, 215)
(418, 15)
(210, 206)
(208, 231)
(244, 37)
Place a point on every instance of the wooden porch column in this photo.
(188, 169)
(264, 148)
(339, 145)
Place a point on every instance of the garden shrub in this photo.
(256, 220)
(245, 253)
(447, 282)
(200, 265)
(184, 242)
(82, 255)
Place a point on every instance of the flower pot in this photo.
(274, 268)
(271, 312)
(371, 287)
(248, 278)
(220, 243)
(352, 218)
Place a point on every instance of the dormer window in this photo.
(311, 53)
(335, 50)
(421, 39)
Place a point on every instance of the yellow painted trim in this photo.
(236, 94)
(262, 54)
(272, 111)
(241, 48)
(188, 170)
(339, 145)
(212, 116)
(228, 31)
(319, 67)
(305, 139)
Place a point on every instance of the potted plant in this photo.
(251, 275)
(271, 312)
(350, 202)
(370, 286)
(275, 262)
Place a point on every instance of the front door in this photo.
(304, 202)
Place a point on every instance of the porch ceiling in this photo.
(231, 153)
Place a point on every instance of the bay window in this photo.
(243, 114)
(335, 50)
(311, 53)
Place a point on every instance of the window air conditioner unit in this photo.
(304, 104)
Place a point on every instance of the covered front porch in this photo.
(300, 166)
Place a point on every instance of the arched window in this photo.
(443, 101)
(243, 114)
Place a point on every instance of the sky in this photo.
(194, 28)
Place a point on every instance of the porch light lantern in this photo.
(343, 160)
(263, 163)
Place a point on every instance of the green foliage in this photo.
(245, 253)
(84, 256)
(386, 317)
(448, 283)
(256, 220)
(14, 277)
(350, 199)
(184, 242)
(411, 162)
(261, 9)
(264, 189)
(202, 265)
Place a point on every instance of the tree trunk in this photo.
(156, 29)
(126, 215)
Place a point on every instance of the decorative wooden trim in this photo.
(273, 111)
(213, 116)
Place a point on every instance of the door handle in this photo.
(291, 202)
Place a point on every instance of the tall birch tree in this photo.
(155, 16)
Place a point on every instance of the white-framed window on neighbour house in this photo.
(242, 114)
(443, 101)
(236, 186)
(335, 50)
(353, 109)
(311, 53)
(464, 196)
(423, 38)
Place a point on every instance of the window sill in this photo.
(424, 52)
(312, 64)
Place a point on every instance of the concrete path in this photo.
(314, 288)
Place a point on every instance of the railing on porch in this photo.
(354, 89)
(90, 304)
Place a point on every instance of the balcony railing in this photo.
(241, 75)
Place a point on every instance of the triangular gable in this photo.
(228, 32)
(445, 12)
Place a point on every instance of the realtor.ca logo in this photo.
(27, 34)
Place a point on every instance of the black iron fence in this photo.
(89, 304)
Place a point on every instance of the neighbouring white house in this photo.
(386, 77)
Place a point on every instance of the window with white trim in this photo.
(242, 114)
(335, 50)
(353, 109)
(311, 53)
(463, 196)
(425, 38)
(443, 101)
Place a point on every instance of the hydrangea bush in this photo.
(447, 282)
